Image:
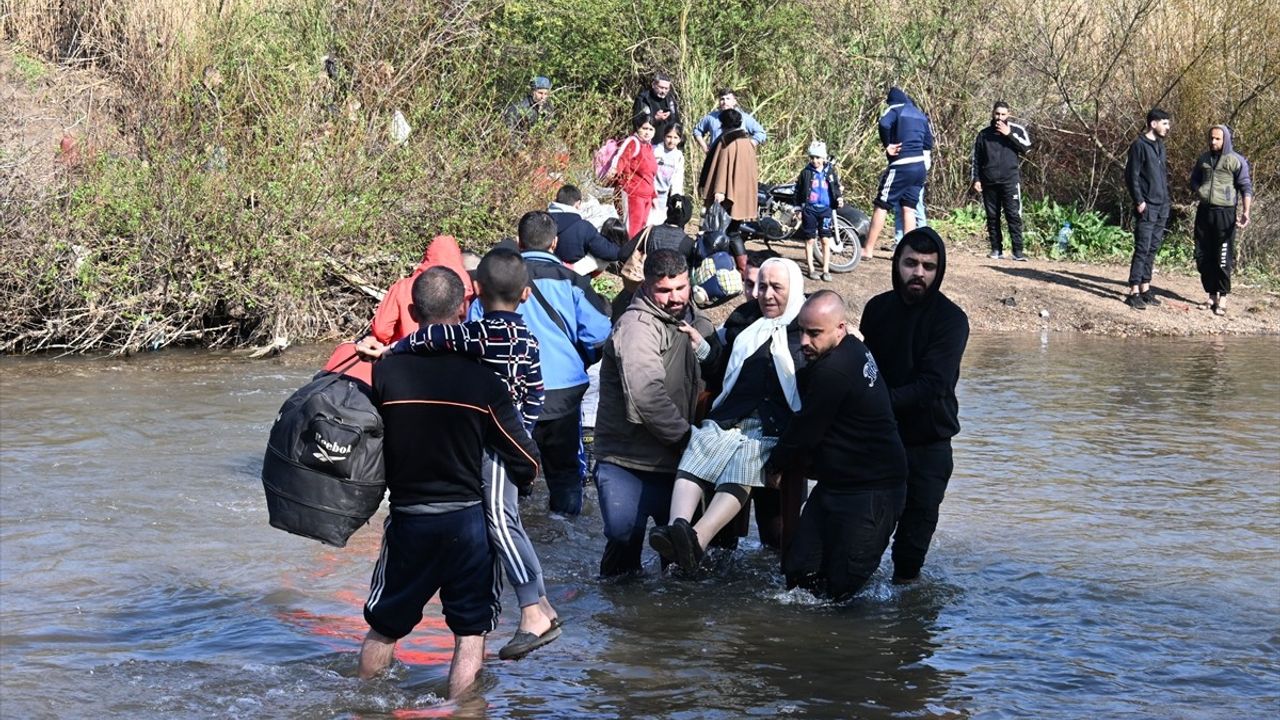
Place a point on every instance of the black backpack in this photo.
(323, 471)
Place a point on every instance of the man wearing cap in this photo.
(533, 109)
(818, 194)
(708, 128)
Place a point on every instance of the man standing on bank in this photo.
(441, 412)
(657, 103)
(997, 153)
(1146, 175)
(918, 338)
(1221, 179)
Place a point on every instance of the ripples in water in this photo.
(1108, 548)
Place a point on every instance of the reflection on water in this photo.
(1109, 545)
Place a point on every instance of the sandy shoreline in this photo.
(1059, 296)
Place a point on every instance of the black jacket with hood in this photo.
(918, 346)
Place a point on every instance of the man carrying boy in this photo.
(502, 342)
(817, 193)
(442, 412)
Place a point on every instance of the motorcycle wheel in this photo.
(846, 247)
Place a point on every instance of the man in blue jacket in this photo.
(907, 140)
(571, 323)
(708, 128)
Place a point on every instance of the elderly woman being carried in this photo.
(728, 450)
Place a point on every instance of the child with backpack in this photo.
(818, 194)
(503, 343)
(633, 171)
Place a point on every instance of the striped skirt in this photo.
(734, 455)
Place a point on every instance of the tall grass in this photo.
(263, 190)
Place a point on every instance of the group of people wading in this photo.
(481, 373)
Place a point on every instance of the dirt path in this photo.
(1008, 296)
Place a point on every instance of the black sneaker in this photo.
(1150, 298)
(1135, 301)
(1019, 257)
(687, 550)
(660, 541)
(996, 255)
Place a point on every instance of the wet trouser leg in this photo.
(1215, 236)
(1148, 233)
(628, 498)
(928, 471)
(559, 442)
(507, 535)
(840, 539)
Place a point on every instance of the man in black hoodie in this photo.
(845, 433)
(918, 338)
(1146, 175)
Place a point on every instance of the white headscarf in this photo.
(772, 330)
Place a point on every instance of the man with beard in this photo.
(1221, 179)
(1146, 175)
(997, 155)
(918, 338)
(845, 434)
(650, 379)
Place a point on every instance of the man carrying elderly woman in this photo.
(728, 450)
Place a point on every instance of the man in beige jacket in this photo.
(650, 379)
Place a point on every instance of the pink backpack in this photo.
(606, 158)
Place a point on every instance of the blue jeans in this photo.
(628, 498)
(921, 220)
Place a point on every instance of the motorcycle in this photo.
(780, 221)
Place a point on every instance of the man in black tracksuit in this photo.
(1146, 175)
(846, 434)
(441, 411)
(918, 338)
(997, 153)
(658, 103)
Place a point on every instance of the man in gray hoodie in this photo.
(1221, 179)
(650, 379)
(1146, 175)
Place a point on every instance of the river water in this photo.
(1110, 547)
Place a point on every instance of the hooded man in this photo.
(1221, 178)
(918, 338)
(997, 177)
(908, 141)
(392, 320)
(650, 379)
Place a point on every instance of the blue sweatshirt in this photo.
(905, 123)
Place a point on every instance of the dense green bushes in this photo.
(263, 188)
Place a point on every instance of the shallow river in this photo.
(1109, 547)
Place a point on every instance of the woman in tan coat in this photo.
(729, 175)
